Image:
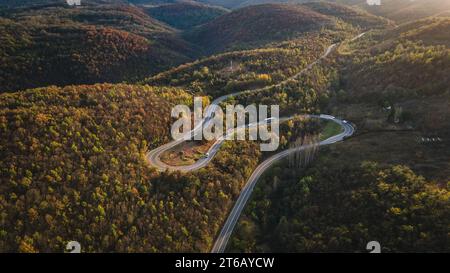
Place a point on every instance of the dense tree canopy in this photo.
(341, 208)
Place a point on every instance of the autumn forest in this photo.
(86, 93)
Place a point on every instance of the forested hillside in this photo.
(257, 26)
(245, 27)
(61, 45)
(398, 10)
(236, 4)
(73, 168)
(406, 63)
(341, 208)
(100, 189)
(73, 151)
(405, 10)
(353, 16)
(388, 183)
(185, 14)
(242, 70)
(223, 3)
(67, 154)
(37, 3)
(56, 44)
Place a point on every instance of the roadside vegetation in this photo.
(342, 207)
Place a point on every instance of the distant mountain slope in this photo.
(19, 3)
(404, 10)
(248, 69)
(343, 11)
(236, 4)
(348, 14)
(406, 71)
(246, 3)
(257, 25)
(430, 31)
(59, 45)
(28, 3)
(185, 14)
(410, 61)
(397, 10)
(223, 3)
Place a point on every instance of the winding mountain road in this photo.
(154, 156)
(225, 234)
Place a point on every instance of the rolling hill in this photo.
(405, 10)
(235, 71)
(185, 14)
(80, 164)
(258, 25)
(223, 3)
(60, 45)
(73, 156)
(348, 14)
(236, 4)
(37, 3)
(160, 46)
(397, 10)
(413, 58)
(399, 80)
(255, 26)
(393, 85)
(73, 168)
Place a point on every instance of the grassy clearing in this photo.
(330, 129)
(186, 153)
